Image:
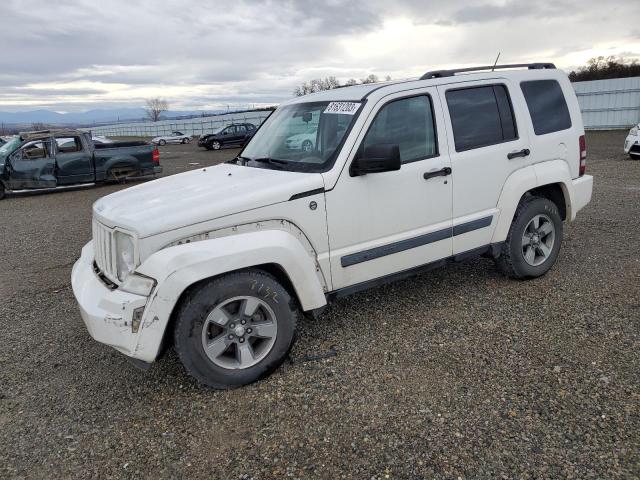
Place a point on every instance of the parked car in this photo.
(174, 137)
(302, 141)
(55, 159)
(632, 142)
(222, 261)
(236, 134)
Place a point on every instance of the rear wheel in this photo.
(533, 243)
(235, 329)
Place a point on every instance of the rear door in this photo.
(32, 166)
(73, 161)
(488, 141)
(241, 132)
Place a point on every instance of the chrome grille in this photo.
(104, 250)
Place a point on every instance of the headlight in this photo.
(633, 131)
(138, 284)
(125, 255)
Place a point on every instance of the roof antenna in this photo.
(496, 62)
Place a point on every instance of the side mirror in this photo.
(381, 157)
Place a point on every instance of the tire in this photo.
(216, 145)
(224, 298)
(307, 146)
(533, 243)
(184, 141)
(162, 142)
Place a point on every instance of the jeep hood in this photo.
(198, 196)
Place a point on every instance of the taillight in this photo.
(583, 155)
(156, 155)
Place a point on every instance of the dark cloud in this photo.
(257, 51)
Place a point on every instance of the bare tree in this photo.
(37, 126)
(155, 108)
(370, 79)
(599, 68)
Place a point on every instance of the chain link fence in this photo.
(191, 126)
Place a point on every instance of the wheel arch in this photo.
(181, 268)
(551, 180)
(273, 269)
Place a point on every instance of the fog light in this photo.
(136, 319)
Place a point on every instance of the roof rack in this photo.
(451, 73)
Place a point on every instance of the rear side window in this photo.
(547, 106)
(68, 144)
(409, 123)
(481, 116)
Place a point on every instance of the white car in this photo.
(405, 177)
(632, 143)
(302, 141)
(174, 137)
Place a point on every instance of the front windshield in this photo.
(10, 146)
(303, 136)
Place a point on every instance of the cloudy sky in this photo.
(69, 55)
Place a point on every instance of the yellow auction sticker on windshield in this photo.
(344, 108)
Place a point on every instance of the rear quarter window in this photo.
(547, 106)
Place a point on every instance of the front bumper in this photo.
(632, 144)
(107, 314)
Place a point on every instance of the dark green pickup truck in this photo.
(55, 159)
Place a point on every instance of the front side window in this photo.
(408, 123)
(547, 106)
(302, 136)
(68, 144)
(34, 150)
(481, 116)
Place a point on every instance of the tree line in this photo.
(329, 83)
(601, 68)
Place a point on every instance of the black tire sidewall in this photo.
(532, 208)
(196, 308)
(162, 142)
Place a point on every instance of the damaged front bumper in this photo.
(112, 317)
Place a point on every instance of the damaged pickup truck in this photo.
(57, 159)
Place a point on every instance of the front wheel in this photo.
(216, 145)
(533, 243)
(162, 142)
(235, 329)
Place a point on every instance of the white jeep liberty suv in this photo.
(403, 176)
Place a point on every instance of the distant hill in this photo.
(86, 118)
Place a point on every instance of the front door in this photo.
(73, 162)
(32, 166)
(385, 223)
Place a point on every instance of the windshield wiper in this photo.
(271, 161)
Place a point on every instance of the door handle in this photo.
(522, 153)
(443, 172)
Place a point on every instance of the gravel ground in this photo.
(456, 373)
